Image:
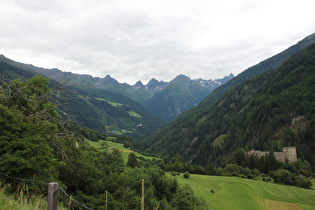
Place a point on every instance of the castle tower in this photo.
(289, 153)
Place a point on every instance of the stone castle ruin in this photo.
(289, 153)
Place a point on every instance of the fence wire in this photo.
(42, 182)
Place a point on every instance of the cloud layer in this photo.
(141, 39)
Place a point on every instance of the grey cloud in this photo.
(139, 40)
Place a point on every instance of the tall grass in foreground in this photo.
(22, 200)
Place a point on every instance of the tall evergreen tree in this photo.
(132, 160)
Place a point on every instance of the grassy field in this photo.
(238, 193)
(124, 151)
(114, 104)
(134, 114)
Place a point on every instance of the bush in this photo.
(232, 169)
(255, 172)
(304, 172)
(234, 173)
(242, 176)
(186, 175)
(250, 176)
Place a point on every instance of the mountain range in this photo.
(108, 106)
(164, 100)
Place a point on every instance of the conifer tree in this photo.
(132, 160)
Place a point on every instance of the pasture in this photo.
(239, 193)
(114, 145)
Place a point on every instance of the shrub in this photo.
(132, 160)
(242, 176)
(255, 172)
(250, 176)
(234, 173)
(232, 169)
(186, 175)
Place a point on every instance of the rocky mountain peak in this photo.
(138, 85)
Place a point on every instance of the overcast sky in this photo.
(135, 40)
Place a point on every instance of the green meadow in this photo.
(110, 102)
(124, 151)
(114, 145)
(239, 193)
(134, 114)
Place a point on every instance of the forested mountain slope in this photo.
(107, 112)
(185, 117)
(272, 110)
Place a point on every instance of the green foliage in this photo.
(185, 199)
(132, 160)
(232, 169)
(286, 177)
(294, 173)
(27, 130)
(186, 175)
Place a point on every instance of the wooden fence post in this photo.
(142, 197)
(52, 196)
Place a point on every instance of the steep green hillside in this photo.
(268, 64)
(272, 110)
(9, 71)
(106, 111)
